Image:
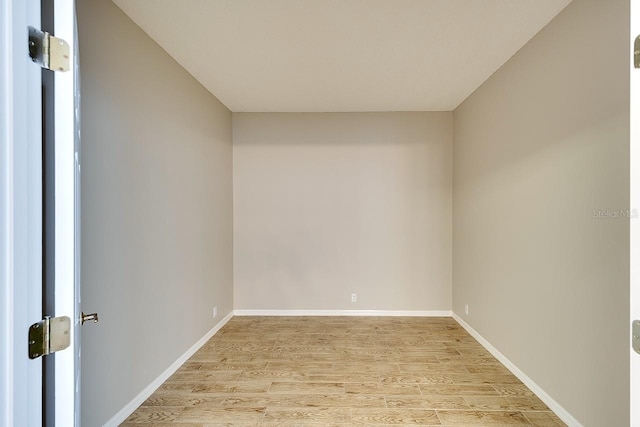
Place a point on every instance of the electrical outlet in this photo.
(215, 312)
(466, 309)
(354, 297)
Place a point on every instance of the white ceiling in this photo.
(341, 55)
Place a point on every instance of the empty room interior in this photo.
(359, 212)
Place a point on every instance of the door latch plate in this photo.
(87, 317)
(635, 335)
(48, 336)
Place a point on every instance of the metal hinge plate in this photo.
(636, 53)
(48, 336)
(50, 52)
(635, 335)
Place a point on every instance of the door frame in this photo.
(21, 218)
(634, 203)
(20, 215)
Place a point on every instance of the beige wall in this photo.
(156, 210)
(326, 205)
(538, 148)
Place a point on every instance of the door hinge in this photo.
(635, 335)
(50, 52)
(636, 53)
(48, 336)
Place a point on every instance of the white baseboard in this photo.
(124, 413)
(379, 313)
(562, 413)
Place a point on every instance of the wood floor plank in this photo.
(306, 388)
(458, 390)
(500, 403)
(184, 399)
(159, 424)
(268, 422)
(482, 418)
(347, 377)
(423, 368)
(309, 414)
(484, 379)
(544, 419)
(427, 402)
(238, 386)
(342, 371)
(382, 389)
(396, 417)
(204, 375)
(417, 379)
(155, 414)
(306, 400)
(512, 389)
(207, 413)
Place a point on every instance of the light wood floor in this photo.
(342, 371)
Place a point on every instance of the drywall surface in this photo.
(330, 204)
(540, 220)
(156, 210)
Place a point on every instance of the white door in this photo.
(635, 204)
(67, 253)
(21, 219)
